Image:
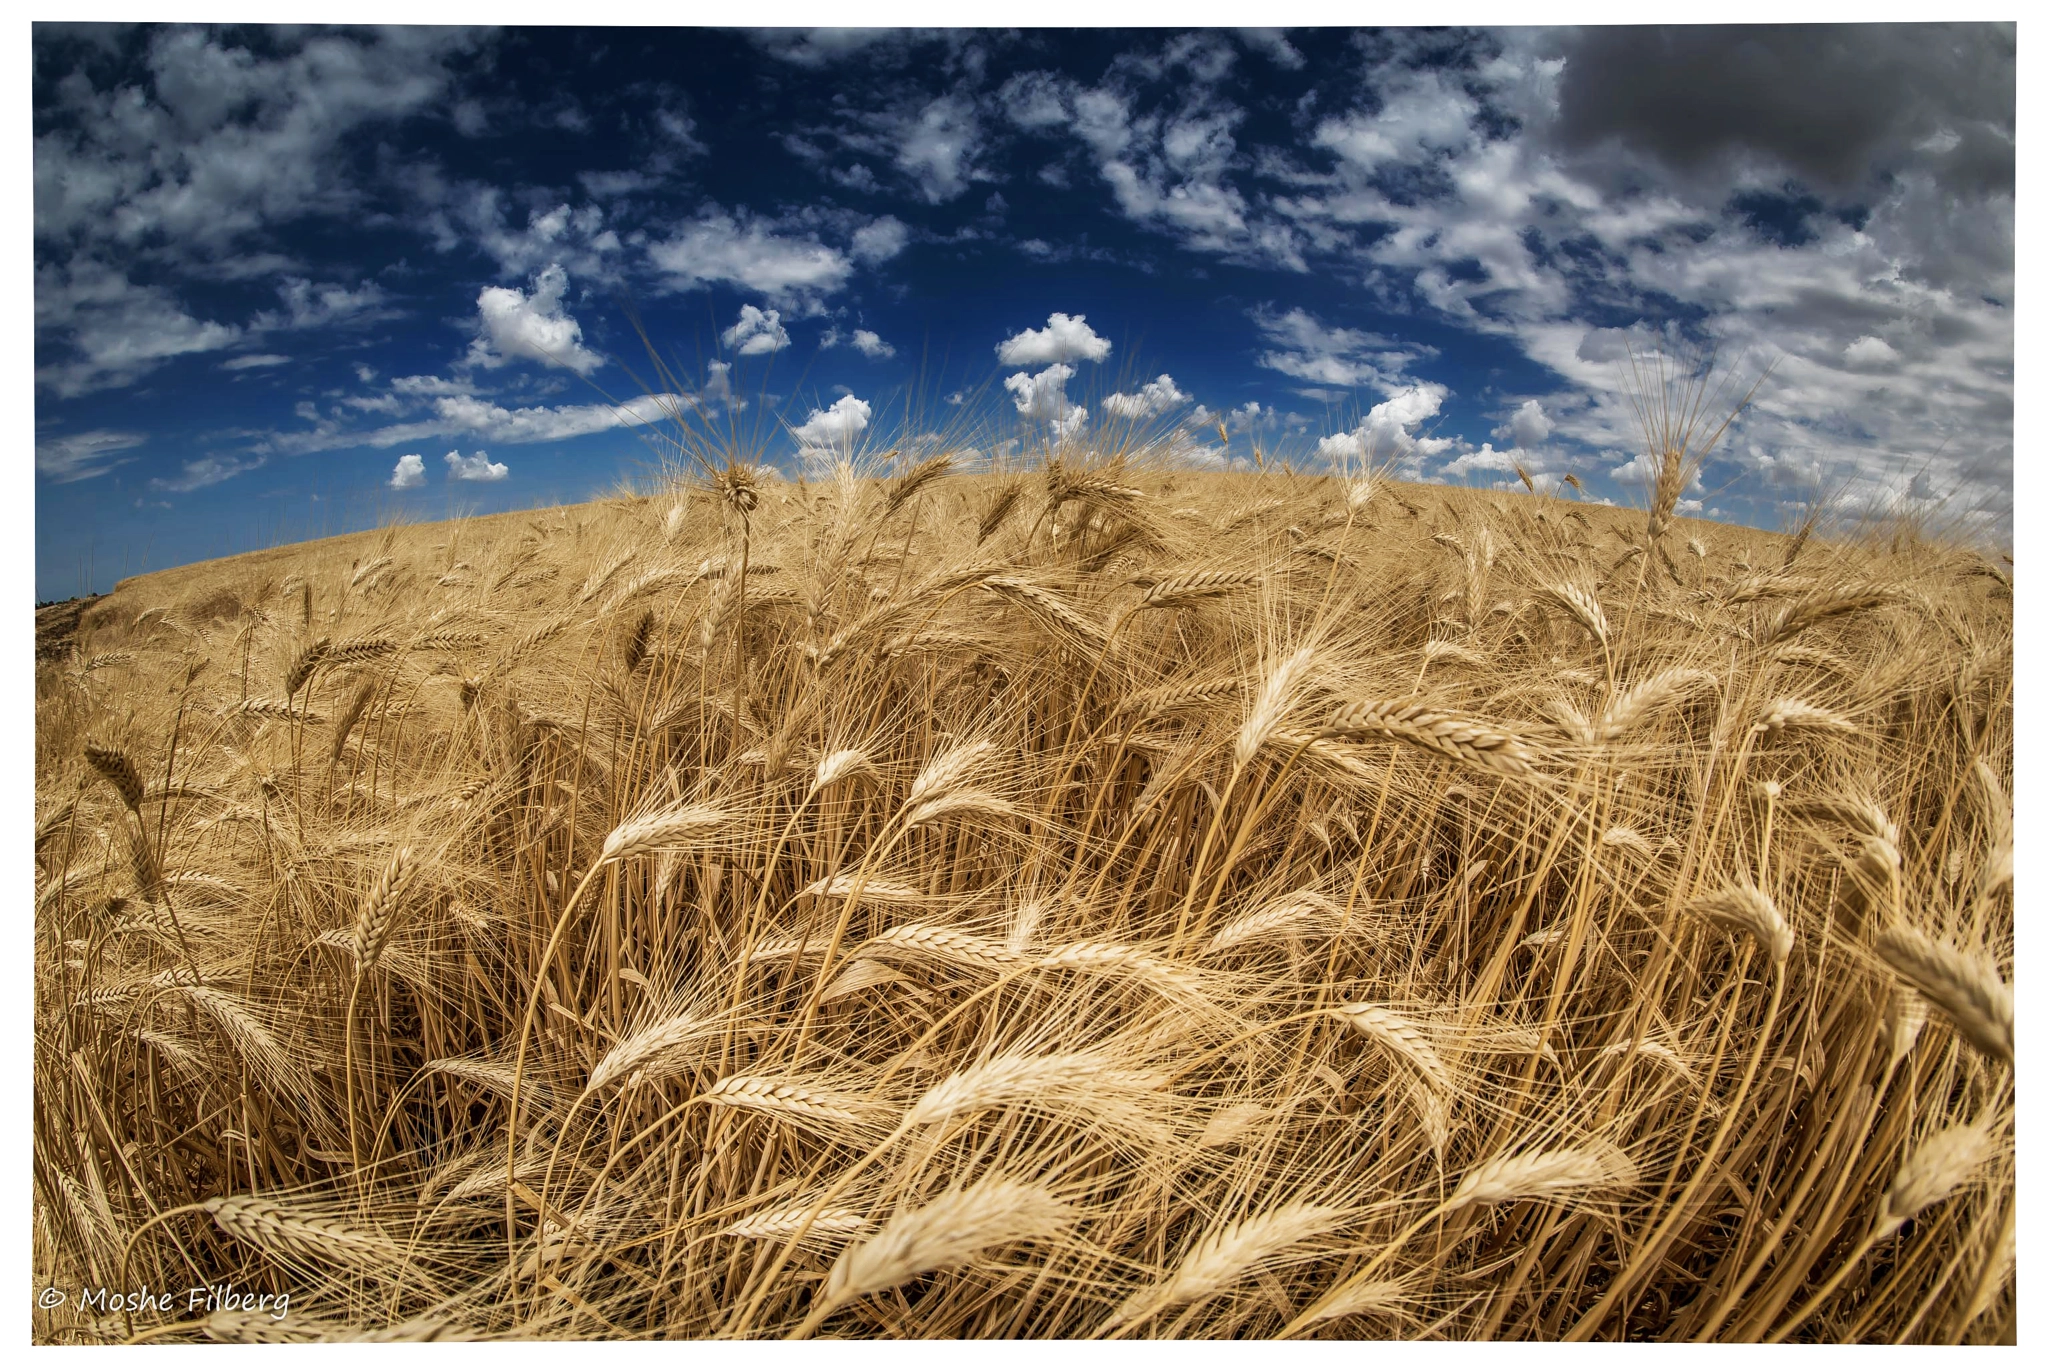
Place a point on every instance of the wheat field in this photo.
(1092, 900)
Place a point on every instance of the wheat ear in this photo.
(671, 828)
(1009, 1080)
(944, 1233)
(1580, 604)
(1464, 739)
(1820, 607)
(832, 1223)
(1934, 1170)
(1544, 1174)
(1228, 1253)
(780, 1096)
(840, 765)
(1744, 907)
(1276, 696)
(1183, 589)
(1400, 1035)
(1966, 989)
(660, 1046)
(114, 765)
(378, 915)
(1796, 713)
(278, 1229)
(303, 664)
(1660, 690)
(942, 943)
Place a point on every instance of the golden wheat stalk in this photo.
(1159, 701)
(1823, 606)
(1288, 915)
(303, 664)
(1797, 713)
(1180, 590)
(928, 941)
(1905, 1016)
(878, 890)
(1402, 1037)
(1363, 1298)
(369, 569)
(489, 1074)
(1996, 870)
(911, 482)
(1283, 682)
(839, 766)
(1086, 1079)
(1117, 960)
(113, 764)
(1636, 704)
(1054, 611)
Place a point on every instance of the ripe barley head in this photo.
(1581, 604)
(114, 765)
(830, 1224)
(1966, 988)
(671, 828)
(1543, 1174)
(945, 1232)
(1742, 906)
(1465, 739)
(1934, 1170)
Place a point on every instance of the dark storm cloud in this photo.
(1833, 104)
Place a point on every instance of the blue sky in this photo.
(292, 281)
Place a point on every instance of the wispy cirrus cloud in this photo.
(73, 456)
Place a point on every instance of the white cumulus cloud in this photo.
(410, 473)
(867, 343)
(757, 333)
(1150, 401)
(1870, 353)
(1528, 428)
(1304, 347)
(1387, 432)
(876, 242)
(1044, 396)
(479, 467)
(834, 428)
(937, 150)
(1061, 339)
(512, 324)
